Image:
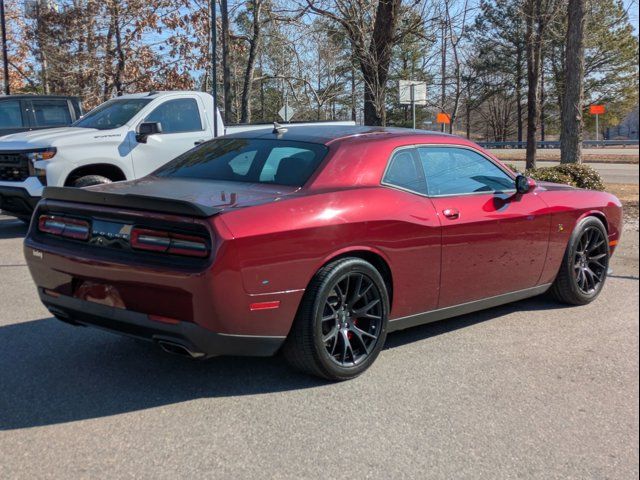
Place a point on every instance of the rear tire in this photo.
(341, 325)
(584, 267)
(89, 180)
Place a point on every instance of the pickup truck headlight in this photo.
(44, 154)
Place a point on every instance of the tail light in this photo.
(64, 226)
(169, 242)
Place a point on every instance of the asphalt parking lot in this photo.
(528, 390)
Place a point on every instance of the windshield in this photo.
(112, 114)
(248, 160)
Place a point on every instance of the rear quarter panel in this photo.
(281, 245)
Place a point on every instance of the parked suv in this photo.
(21, 113)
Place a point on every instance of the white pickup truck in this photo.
(125, 138)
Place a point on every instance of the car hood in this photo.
(219, 195)
(53, 137)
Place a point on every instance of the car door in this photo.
(494, 240)
(182, 129)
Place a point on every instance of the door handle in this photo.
(199, 142)
(451, 213)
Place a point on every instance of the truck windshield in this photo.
(248, 160)
(112, 114)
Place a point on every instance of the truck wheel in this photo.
(585, 264)
(89, 180)
(341, 325)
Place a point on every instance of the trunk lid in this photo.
(207, 195)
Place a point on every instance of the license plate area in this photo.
(100, 293)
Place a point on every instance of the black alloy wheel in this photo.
(591, 260)
(351, 319)
(341, 324)
(585, 264)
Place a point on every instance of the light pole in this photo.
(5, 58)
(214, 67)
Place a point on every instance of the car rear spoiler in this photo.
(131, 201)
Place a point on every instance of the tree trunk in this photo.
(468, 118)
(226, 69)
(519, 78)
(354, 112)
(262, 116)
(543, 100)
(534, 60)
(108, 68)
(443, 72)
(120, 58)
(378, 59)
(371, 116)
(41, 35)
(254, 43)
(571, 133)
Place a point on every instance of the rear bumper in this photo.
(198, 341)
(17, 201)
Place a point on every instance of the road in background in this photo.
(610, 172)
(529, 390)
(587, 153)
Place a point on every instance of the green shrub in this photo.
(574, 174)
(582, 176)
(549, 174)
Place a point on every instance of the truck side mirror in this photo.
(146, 129)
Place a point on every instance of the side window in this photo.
(457, 171)
(403, 172)
(176, 116)
(51, 113)
(11, 114)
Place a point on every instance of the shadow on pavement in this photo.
(624, 277)
(422, 332)
(53, 373)
(12, 228)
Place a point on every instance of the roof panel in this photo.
(328, 133)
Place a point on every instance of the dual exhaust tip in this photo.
(179, 349)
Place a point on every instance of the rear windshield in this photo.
(248, 160)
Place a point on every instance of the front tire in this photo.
(341, 325)
(89, 180)
(585, 264)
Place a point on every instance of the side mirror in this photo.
(524, 184)
(146, 129)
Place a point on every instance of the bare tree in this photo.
(538, 14)
(254, 44)
(372, 29)
(226, 69)
(456, 26)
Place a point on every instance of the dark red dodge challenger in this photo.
(316, 241)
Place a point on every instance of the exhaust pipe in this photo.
(179, 349)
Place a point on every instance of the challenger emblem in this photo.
(37, 253)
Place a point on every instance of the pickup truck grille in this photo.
(14, 167)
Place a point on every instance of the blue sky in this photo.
(632, 5)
